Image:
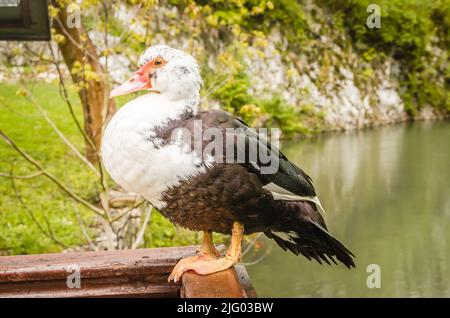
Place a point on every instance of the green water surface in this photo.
(387, 196)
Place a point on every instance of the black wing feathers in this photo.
(288, 175)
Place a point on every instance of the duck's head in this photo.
(166, 71)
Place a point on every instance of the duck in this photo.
(199, 169)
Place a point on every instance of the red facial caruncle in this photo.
(142, 79)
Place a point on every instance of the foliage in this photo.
(275, 111)
(234, 93)
(411, 32)
(285, 116)
(255, 15)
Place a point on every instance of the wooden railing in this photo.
(125, 273)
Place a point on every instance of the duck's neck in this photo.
(158, 109)
(190, 105)
(183, 105)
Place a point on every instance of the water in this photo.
(387, 196)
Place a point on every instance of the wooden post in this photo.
(124, 273)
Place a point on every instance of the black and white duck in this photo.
(145, 150)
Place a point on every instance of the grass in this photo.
(44, 206)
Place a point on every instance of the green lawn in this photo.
(20, 232)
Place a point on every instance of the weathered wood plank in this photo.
(125, 273)
(154, 263)
(55, 289)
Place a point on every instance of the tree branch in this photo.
(140, 235)
(84, 231)
(213, 89)
(250, 245)
(50, 176)
(12, 110)
(259, 259)
(30, 176)
(65, 95)
(48, 234)
(35, 103)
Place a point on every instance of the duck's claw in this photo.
(201, 264)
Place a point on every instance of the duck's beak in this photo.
(136, 83)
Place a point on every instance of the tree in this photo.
(81, 58)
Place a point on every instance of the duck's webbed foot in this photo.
(207, 261)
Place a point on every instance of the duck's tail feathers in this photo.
(311, 239)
